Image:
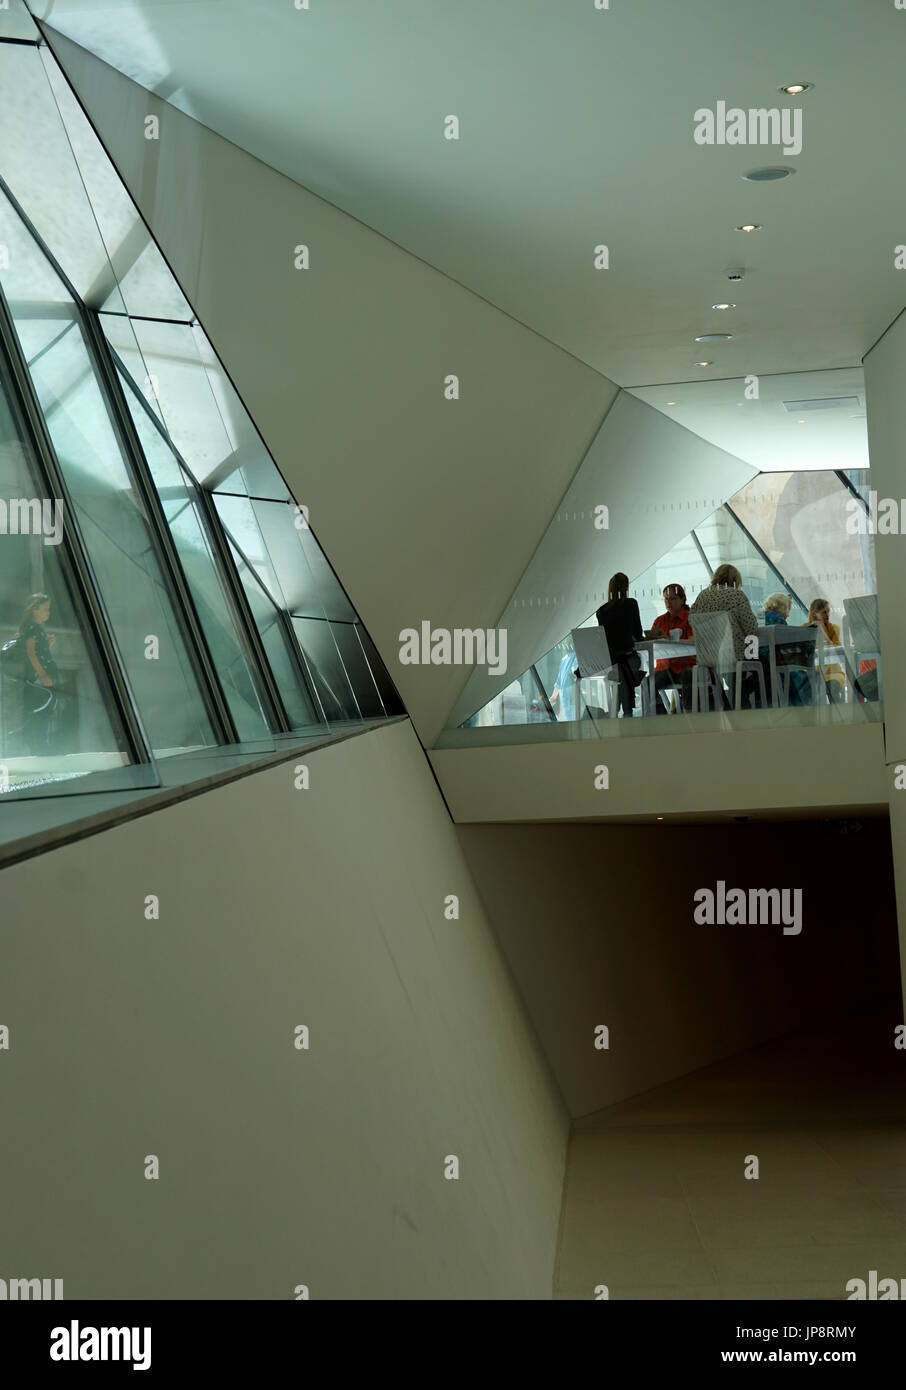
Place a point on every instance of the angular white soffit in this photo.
(657, 481)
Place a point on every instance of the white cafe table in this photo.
(661, 649)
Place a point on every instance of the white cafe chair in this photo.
(717, 662)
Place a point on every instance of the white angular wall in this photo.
(175, 1037)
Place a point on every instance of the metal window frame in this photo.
(762, 554)
(543, 693)
(86, 594)
(107, 366)
(216, 535)
(221, 542)
(105, 363)
(44, 40)
(229, 543)
(172, 576)
(172, 573)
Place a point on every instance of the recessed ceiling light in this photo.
(703, 364)
(671, 402)
(723, 306)
(769, 174)
(714, 337)
(795, 89)
(750, 227)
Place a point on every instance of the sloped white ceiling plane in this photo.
(576, 127)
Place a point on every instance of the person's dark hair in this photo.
(34, 601)
(618, 586)
(674, 591)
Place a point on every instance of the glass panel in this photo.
(239, 517)
(37, 164)
(363, 684)
(111, 515)
(333, 599)
(257, 475)
(16, 22)
(266, 534)
(392, 703)
(178, 372)
(800, 520)
(326, 668)
(58, 718)
(555, 670)
(520, 703)
(210, 595)
(297, 563)
(145, 282)
(681, 565)
(298, 704)
(725, 542)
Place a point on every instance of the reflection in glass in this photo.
(362, 681)
(76, 254)
(234, 667)
(111, 516)
(38, 167)
(389, 694)
(57, 713)
(325, 666)
(297, 702)
(139, 276)
(270, 541)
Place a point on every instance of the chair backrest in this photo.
(592, 652)
(862, 616)
(793, 643)
(713, 640)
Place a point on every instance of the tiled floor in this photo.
(657, 1205)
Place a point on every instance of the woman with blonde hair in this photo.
(776, 612)
(834, 677)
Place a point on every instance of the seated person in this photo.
(725, 595)
(622, 625)
(672, 673)
(776, 612)
(834, 676)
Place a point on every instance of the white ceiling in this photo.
(576, 129)
(761, 431)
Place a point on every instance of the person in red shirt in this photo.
(672, 673)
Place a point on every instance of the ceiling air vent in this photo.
(824, 403)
